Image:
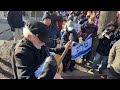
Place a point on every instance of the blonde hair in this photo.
(27, 32)
(92, 17)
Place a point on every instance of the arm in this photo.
(77, 39)
(65, 38)
(104, 34)
(49, 69)
(57, 50)
(95, 31)
(101, 35)
(83, 27)
(24, 66)
(83, 32)
(58, 34)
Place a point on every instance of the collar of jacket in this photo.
(29, 44)
(116, 31)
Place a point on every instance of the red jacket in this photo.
(85, 13)
(59, 25)
(117, 16)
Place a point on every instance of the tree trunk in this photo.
(105, 18)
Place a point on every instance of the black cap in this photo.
(46, 16)
(113, 23)
(38, 28)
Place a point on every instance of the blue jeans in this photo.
(99, 59)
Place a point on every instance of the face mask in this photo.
(70, 28)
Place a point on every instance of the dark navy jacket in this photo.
(15, 19)
(27, 60)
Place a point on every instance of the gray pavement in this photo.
(5, 32)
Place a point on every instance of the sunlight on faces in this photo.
(91, 21)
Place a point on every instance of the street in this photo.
(5, 32)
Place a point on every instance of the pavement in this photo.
(79, 71)
(82, 72)
(5, 32)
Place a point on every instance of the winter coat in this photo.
(27, 60)
(53, 35)
(106, 44)
(114, 57)
(55, 18)
(88, 29)
(15, 19)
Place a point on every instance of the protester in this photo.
(106, 39)
(59, 22)
(31, 58)
(114, 62)
(15, 20)
(55, 16)
(67, 62)
(81, 20)
(88, 28)
(54, 34)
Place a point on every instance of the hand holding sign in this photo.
(81, 48)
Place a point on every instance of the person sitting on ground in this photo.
(31, 58)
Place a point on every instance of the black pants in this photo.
(67, 60)
(112, 74)
(87, 56)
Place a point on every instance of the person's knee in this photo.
(96, 60)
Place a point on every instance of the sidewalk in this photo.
(5, 32)
(81, 72)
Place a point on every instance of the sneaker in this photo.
(91, 70)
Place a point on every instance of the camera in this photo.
(106, 33)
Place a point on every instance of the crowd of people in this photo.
(35, 40)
